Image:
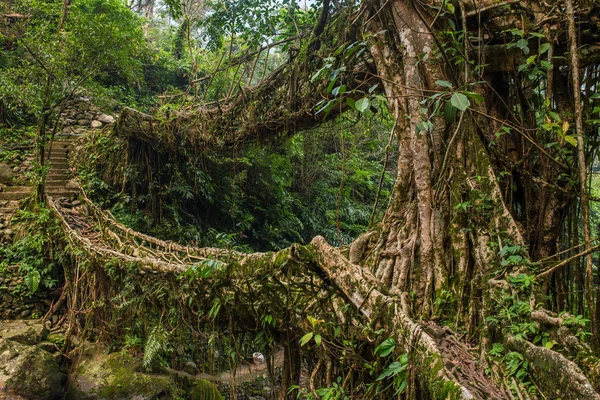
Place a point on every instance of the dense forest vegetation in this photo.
(389, 199)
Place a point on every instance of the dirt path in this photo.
(244, 372)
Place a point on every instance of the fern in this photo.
(154, 345)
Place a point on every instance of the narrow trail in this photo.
(243, 373)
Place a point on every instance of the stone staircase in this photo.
(58, 181)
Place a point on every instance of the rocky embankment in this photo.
(36, 364)
(32, 366)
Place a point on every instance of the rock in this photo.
(205, 390)
(96, 124)
(83, 122)
(6, 174)
(29, 372)
(106, 119)
(23, 331)
(72, 184)
(191, 368)
(56, 339)
(48, 346)
(115, 376)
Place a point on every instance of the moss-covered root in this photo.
(556, 376)
(359, 287)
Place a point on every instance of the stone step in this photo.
(15, 192)
(13, 195)
(58, 171)
(68, 136)
(56, 179)
(63, 193)
(9, 203)
(57, 187)
(15, 189)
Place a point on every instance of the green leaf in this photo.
(424, 126)
(318, 340)
(544, 48)
(445, 84)
(386, 347)
(450, 112)
(321, 72)
(327, 107)
(460, 101)
(32, 280)
(306, 338)
(571, 140)
(351, 103)
(394, 369)
(362, 105)
(475, 96)
(339, 90)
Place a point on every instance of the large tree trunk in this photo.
(445, 244)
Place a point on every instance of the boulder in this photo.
(23, 331)
(6, 174)
(205, 390)
(191, 368)
(29, 371)
(106, 119)
(115, 376)
(96, 124)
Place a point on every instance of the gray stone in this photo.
(96, 124)
(83, 122)
(106, 119)
(29, 372)
(48, 346)
(72, 184)
(23, 331)
(115, 375)
(191, 368)
(6, 174)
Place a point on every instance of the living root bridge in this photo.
(100, 237)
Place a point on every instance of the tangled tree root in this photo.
(446, 367)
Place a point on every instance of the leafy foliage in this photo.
(32, 249)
